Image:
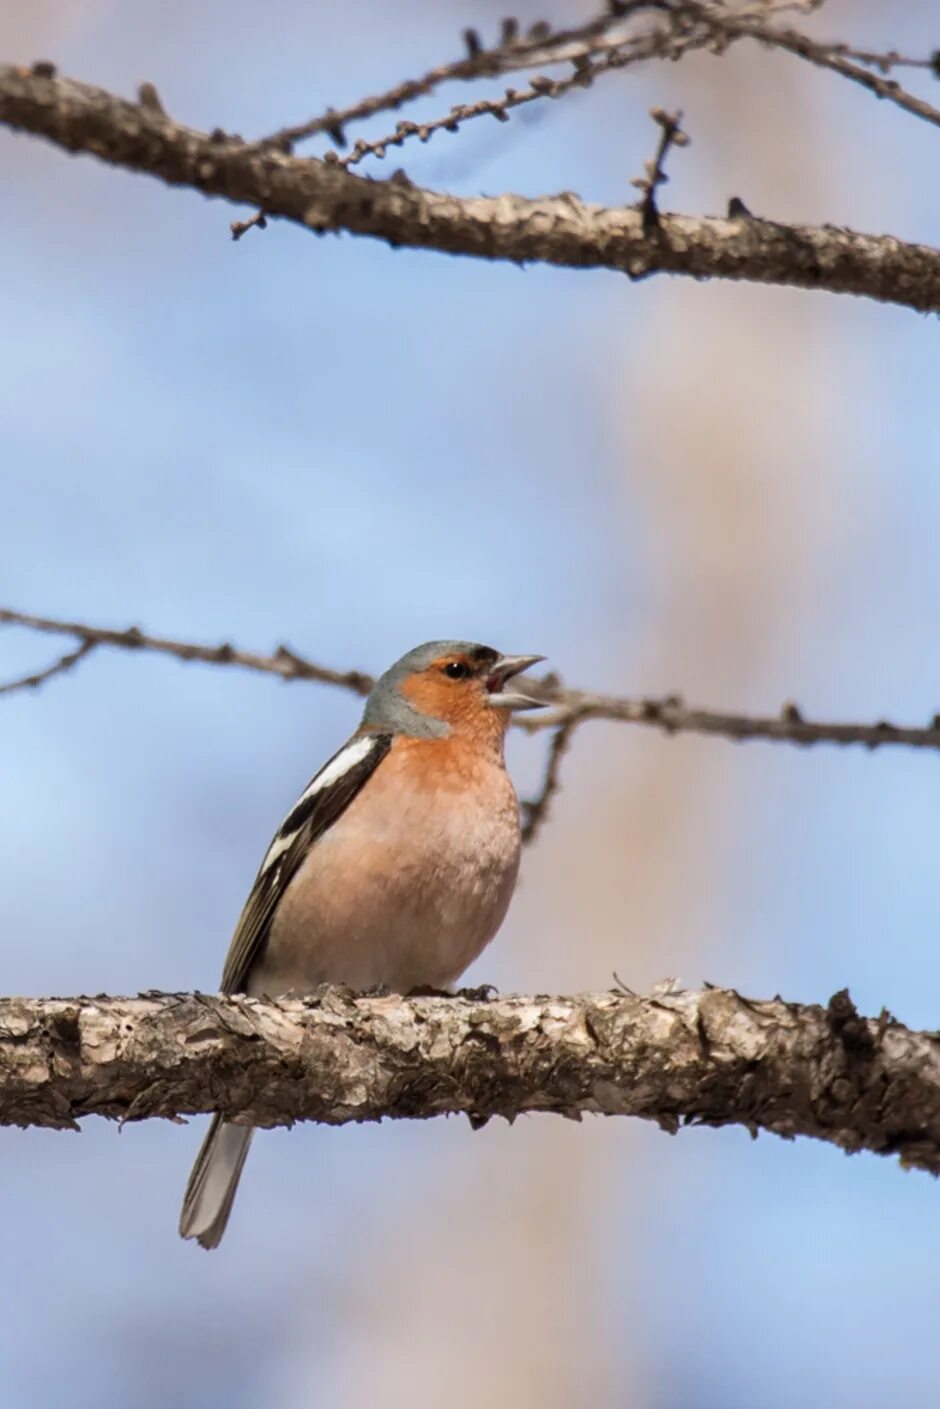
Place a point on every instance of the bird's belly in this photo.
(400, 900)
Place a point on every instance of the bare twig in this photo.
(854, 65)
(334, 121)
(673, 716)
(283, 662)
(58, 667)
(535, 810)
(513, 54)
(678, 1058)
(607, 41)
(569, 707)
(588, 66)
(560, 230)
(240, 227)
(459, 114)
(671, 135)
(887, 60)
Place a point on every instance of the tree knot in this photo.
(845, 1024)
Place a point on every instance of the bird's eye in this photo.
(456, 670)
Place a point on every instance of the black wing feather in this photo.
(313, 815)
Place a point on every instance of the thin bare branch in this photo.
(678, 1058)
(282, 662)
(535, 810)
(612, 40)
(888, 59)
(837, 58)
(257, 221)
(671, 135)
(58, 667)
(589, 65)
(560, 230)
(673, 716)
(452, 121)
(569, 707)
(669, 33)
(514, 53)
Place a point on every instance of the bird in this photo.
(392, 871)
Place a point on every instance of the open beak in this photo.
(505, 669)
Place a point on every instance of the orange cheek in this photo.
(431, 695)
(463, 707)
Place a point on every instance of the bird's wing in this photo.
(324, 799)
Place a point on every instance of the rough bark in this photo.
(710, 1057)
(560, 230)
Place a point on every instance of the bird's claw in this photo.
(485, 993)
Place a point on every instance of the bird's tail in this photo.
(210, 1192)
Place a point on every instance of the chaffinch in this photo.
(394, 868)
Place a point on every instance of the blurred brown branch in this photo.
(624, 34)
(560, 230)
(535, 810)
(670, 135)
(857, 65)
(709, 1057)
(514, 52)
(569, 707)
(592, 59)
(58, 667)
(283, 662)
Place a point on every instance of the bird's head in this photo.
(446, 687)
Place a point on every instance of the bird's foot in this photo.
(484, 994)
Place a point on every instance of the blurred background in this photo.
(726, 491)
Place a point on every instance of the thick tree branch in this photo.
(559, 230)
(708, 1057)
